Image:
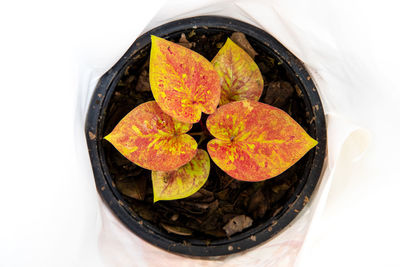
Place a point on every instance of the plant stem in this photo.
(202, 138)
(194, 134)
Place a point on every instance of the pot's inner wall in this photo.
(221, 198)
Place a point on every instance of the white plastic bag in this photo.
(53, 52)
(119, 247)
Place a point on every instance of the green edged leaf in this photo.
(240, 77)
(183, 182)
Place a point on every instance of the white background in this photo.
(50, 51)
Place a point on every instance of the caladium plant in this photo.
(252, 141)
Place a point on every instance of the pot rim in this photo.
(240, 242)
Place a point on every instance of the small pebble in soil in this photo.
(237, 224)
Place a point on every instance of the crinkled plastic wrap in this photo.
(119, 247)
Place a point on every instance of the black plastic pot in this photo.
(95, 130)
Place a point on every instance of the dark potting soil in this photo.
(223, 206)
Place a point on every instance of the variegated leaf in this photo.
(152, 139)
(183, 82)
(240, 77)
(183, 182)
(255, 141)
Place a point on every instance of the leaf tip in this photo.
(313, 142)
(108, 137)
(154, 38)
(230, 43)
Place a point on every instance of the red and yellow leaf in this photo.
(240, 77)
(255, 141)
(152, 139)
(183, 182)
(183, 82)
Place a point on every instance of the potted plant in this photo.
(159, 113)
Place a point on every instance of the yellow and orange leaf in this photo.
(183, 182)
(255, 141)
(240, 76)
(152, 139)
(183, 82)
